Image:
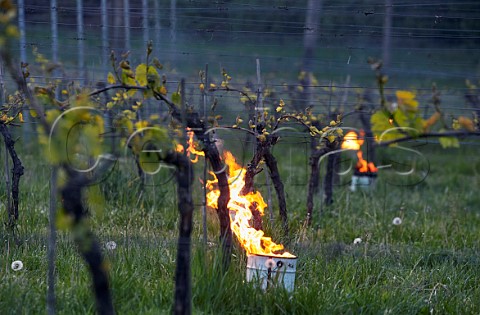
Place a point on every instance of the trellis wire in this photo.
(168, 15)
(134, 11)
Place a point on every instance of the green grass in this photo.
(428, 264)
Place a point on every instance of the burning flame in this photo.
(191, 147)
(353, 142)
(364, 166)
(252, 240)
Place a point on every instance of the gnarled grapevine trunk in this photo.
(252, 170)
(212, 154)
(17, 172)
(314, 179)
(278, 184)
(184, 175)
(328, 180)
(193, 121)
(88, 246)
(263, 152)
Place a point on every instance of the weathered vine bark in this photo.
(314, 143)
(331, 170)
(279, 189)
(263, 152)
(192, 120)
(184, 175)
(212, 154)
(314, 180)
(17, 172)
(328, 180)
(252, 170)
(140, 172)
(88, 246)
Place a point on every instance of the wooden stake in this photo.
(126, 23)
(146, 35)
(158, 27)
(105, 61)
(54, 29)
(205, 165)
(23, 58)
(80, 40)
(8, 192)
(52, 242)
(8, 205)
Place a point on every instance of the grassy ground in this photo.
(428, 264)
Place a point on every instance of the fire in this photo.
(191, 147)
(179, 148)
(252, 240)
(353, 142)
(363, 166)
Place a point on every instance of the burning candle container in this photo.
(272, 271)
(364, 181)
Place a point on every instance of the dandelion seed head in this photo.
(111, 245)
(358, 240)
(17, 265)
(397, 221)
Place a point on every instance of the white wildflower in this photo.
(397, 221)
(358, 240)
(111, 245)
(17, 265)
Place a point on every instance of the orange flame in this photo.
(353, 142)
(363, 166)
(179, 148)
(191, 147)
(252, 240)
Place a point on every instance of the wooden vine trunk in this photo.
(279, 189)
(212, 154)
(263, 152)
(315, 156)
(184, 176)
(17, 172)
(329, 179)
(197, 125)
(88, 246)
